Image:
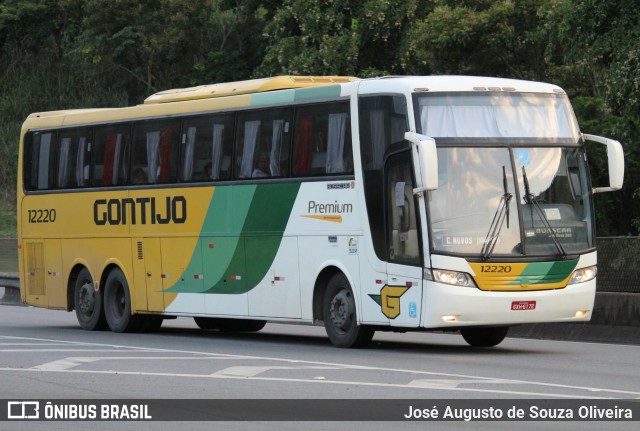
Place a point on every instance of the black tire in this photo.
(230, 325)
(206, 323)
(484, 337)
(151, 323)
(88, 303)
(340, 317)
(240, 325)
(117, 304)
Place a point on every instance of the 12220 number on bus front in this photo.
(495, 268)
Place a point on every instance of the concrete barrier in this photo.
(11, 284)
(615, 319)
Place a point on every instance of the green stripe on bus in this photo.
(297, 95)
(272, 98)
(316, 93)
(262, 234)
(244, 225)
(546, 272)
(221, 228)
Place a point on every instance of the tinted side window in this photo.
(39, 161)
(402, 228)
(262, 144)
(155, 152)
(109, 155)
(322, 142)
(73, 158)
(383, 122)
(206, 148)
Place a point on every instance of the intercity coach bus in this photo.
(395, 204)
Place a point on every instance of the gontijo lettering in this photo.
(142, 210)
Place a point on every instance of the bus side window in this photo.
(402, 227)
(262, 144)
(155, 152)
(383, 122)
(206, 148)
(109, 155)
(39, 164)
(322, 141)
(73, 158)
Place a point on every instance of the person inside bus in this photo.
(261, 169)
(206, 172)
(139, 177)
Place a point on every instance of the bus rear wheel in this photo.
(88, 303)
(484, 337)
(117, 304)
(340, 317)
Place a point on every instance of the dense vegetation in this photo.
(59, 54)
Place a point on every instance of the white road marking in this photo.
(334, 382)
(65, 364)
(252, 371)
(28, 344)
(53, 350)
(445, 376)
(451, 383)
(74, 361)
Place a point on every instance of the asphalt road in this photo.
(45, 355)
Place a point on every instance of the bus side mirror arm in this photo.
(425, 161)
(615, 162)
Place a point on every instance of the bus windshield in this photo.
(497, 115)
(512, 181)
(483, 208)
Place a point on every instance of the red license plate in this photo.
(523, 305)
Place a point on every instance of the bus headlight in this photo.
(583, 275)
(454, 278)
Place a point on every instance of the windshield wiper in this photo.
(499, 217)
(530, 199)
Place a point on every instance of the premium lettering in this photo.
(141, 210)
(329, 208)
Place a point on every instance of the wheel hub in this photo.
(340, 311)
(87, 300)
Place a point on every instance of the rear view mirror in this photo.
(425, 161)
(615, 162)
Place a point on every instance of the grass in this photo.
(8, 221)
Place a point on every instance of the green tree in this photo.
(600, 43)
(158, 44)
(337, 37)
(495, 38)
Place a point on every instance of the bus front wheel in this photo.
(484, 337)
(117, 304)
(339, 315)
(88, 303)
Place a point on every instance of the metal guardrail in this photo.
(618, 259)
(9, 279)
(11, 283)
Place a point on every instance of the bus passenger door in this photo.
(401, 296)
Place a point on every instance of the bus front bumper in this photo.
(454, 306)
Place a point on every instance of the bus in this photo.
(448, 203)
